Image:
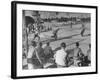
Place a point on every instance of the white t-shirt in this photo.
(31, 52)
(60, 57)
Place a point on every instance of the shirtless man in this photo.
(48, 52)
(77, 54)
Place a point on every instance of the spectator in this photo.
(48, 52)
(86, 60)
(31, 52)
(89, 52)
(60, 56)
(77, 54)
(40, 54)
(36, 34)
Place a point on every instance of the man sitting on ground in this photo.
(60, 56)
(48, 52)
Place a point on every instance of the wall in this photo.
(5, 40)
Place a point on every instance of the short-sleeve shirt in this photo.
(60, 57)
(31, 52)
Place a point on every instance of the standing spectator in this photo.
(48, 52)
(36, 31)
(37, 36)
(31, 52)
(30, 28)
(60, 56)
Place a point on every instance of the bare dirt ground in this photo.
(68, 35)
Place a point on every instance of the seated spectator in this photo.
(48, 52)
(89, 53)
(77, 54)
(40, 54)
(85, 60)
(60, 56)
